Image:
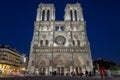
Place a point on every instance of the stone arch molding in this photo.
(78, 61)
(43, 61)
(60, 60)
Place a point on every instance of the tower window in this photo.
(62, 28)
(78, 42)
(41, 42)
(56, 28)
(75, 15)
(48, 15)
(43, 15)
(46, 42)
(71, 16)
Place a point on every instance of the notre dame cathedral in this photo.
(60, 46)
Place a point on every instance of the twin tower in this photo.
(60, 46)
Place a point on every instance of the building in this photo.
(60, 46)
(10, 60)
(24, 60)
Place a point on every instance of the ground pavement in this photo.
(56, 78)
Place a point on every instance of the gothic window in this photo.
(48, 15)
(73, 43)
(71, 16)
(41, 42)
(78, 42)
(75, 15)
(62, 28)
(56, 28)
(46, 42)
(43, 15)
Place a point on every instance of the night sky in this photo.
(102, 19)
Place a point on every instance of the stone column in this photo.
(45, 15)
(53, 14)
(73, 15)
(46, 71)
(50, 68)
(38, 15)
(81, 15)
(67, 14)
(59, 29)
(71, 69)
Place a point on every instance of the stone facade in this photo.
(60, 46)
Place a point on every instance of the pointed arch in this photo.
(48, 15)
(43, 15)
(78, 64)
(75, 12)
(60, 60)
(71, 15)
(43, 61)
(78, 61)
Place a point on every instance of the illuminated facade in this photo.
(10, 60)
(60, 46)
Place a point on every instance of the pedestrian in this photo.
(108, 73)
(102, 65)
(86, 73)
(94, 71)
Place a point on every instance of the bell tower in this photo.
(45, 12)
(43, 34)
(73, 12)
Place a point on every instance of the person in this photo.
(86, 73)
(108, 73)
(90, 74)
(94, 71)
(102, 65)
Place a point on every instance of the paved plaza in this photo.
(57, 78)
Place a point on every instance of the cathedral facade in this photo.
(60, 46)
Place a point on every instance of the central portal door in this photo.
(42, 70)
(60, 70)
(78, 70)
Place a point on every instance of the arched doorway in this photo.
(77, 66)
(78, 69)
(43, 65)
(60, 63)
(42, 68)
(60, 67)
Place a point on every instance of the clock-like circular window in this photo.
(60, 40)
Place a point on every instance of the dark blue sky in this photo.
(102, 19)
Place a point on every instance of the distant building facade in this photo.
(60, 46)
(24, 62)
(10, 60)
